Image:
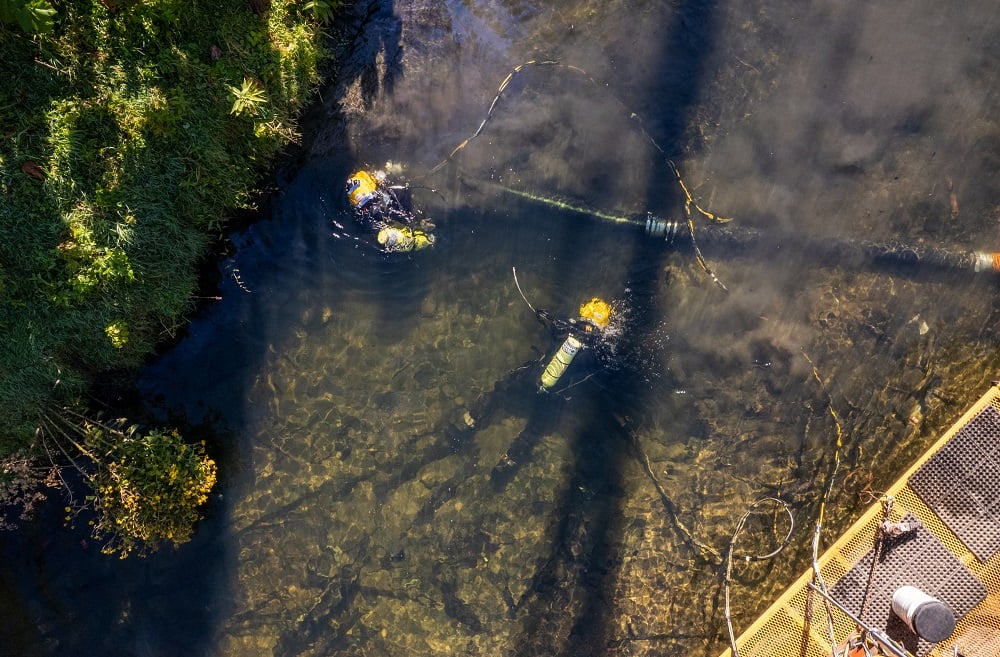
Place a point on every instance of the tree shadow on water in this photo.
(78, 601)
(368, 54)
(581, 560)
(590, 518)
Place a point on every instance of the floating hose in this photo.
(518, 286)
(848, 252)
(640, 453)
(689, 201)
(741, 239)
(496, 99)
(834, 249)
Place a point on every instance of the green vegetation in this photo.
(128, 130)
(146, 488)
(33, 16)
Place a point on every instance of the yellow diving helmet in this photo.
(598, 312)
(361, 188)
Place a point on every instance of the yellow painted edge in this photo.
(855, 530)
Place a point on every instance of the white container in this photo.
(928, 617)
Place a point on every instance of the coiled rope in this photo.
(730, 553)
(731, 549)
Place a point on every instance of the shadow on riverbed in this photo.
(591, 508)
(63, 597)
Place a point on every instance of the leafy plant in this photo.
(117, 332)
(146, 488)
(248, 97)
(149, 489)
(32, 16)
(322, 10)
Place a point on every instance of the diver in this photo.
(387, 210)
(585, 332)
(589, 331)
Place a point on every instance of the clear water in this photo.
(355, 517)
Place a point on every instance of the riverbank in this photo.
(130, 136)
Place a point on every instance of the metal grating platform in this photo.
(917, 559)
(799, 625)
(961, 484)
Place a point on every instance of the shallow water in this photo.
(356, 517)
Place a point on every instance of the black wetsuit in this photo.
(545, 409)
(391, 204)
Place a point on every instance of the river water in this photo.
(358, 515)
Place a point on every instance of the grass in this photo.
(128, 133)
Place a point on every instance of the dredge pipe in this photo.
(741, 238)
(842, 251)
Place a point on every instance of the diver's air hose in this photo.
(848, 252)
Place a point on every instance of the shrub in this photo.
(147, 488)
(32, 16)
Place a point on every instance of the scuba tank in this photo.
(363, 188)
(595, 315)
(396, 237)
(560, 361)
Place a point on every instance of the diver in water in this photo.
(588, 332)
(387, 210)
